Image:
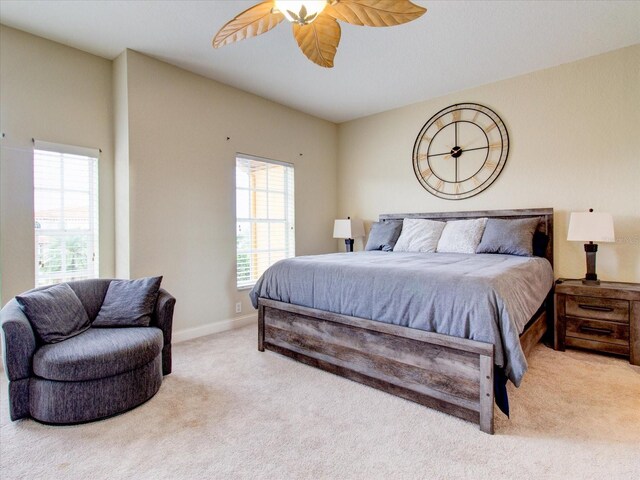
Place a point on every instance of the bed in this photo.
(446, 372)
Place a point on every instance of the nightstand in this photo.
(603, 317)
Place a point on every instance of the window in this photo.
(264, 216)
(65, 181)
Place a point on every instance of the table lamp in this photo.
(591, 227)
(348, 229)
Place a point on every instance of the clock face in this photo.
(460, 151)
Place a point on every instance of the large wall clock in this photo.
(460, 151)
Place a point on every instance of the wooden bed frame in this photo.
(450, 374)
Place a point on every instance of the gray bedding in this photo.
(484, 297)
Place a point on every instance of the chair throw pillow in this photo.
(55, 313)
(461, 236)
(383, 235)
(129, 303)
(419, 235)
(512, 237)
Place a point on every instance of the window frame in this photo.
(288, 193)
(64, 154)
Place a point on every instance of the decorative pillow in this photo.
(419, 235)
(461, 236)
(513, 237)
(129, 303)
(55, 313)
(384, 235)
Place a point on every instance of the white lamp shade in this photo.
(348, 228)
(591, 227)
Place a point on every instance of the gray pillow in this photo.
(55, 313)
(513, 237)
(129, 303)
(383, 235)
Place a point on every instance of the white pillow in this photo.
(419, 235)
(461, 236)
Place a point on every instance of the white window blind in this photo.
(65, 180)
(264, 216)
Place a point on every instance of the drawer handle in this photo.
(602, 331)
(597, 308)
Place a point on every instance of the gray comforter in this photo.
(484, 297)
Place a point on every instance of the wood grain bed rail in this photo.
(450, 374)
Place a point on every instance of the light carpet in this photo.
(229, 411)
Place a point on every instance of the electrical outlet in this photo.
(238, 307)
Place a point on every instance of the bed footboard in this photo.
(450, 374)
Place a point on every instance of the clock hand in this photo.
(472, 149)
(448, 154)
(456, 125)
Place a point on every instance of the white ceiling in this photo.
(454, 46)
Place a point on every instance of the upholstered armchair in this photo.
(95, 374)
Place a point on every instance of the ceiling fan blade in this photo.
(252, 22)
(374, 13)
(319, 40)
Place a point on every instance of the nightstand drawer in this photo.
(598, 330)
(598, 346)
(601, 308)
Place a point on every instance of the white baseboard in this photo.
(213, 327)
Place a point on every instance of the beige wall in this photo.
(182, 181)
(163, 133)
(574, 135)
(58, 94)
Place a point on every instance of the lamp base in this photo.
(590, 277)
(348, 242)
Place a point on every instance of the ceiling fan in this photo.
(315, 22)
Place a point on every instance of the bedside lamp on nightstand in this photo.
(348, 229)
(591, 227)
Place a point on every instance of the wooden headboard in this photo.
(545, 226)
